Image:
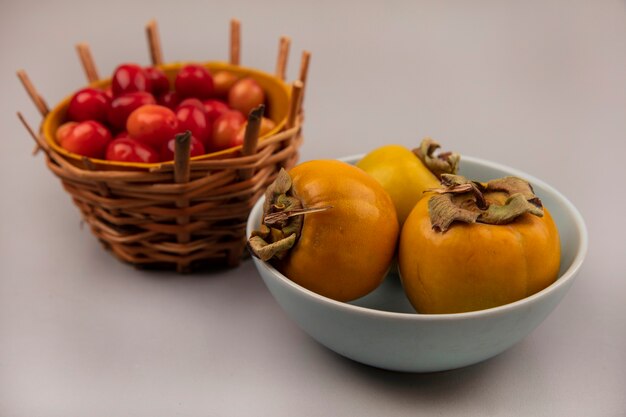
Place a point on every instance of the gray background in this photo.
(539, 86)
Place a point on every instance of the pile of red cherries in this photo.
(138, 116)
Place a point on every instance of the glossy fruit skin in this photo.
(476, 266)
(345, 252)
(158, 81)
(223, 81)
(88, 138)
(402, 175)
(88, 104)
(194, 81)
(152, 125)
(193, 101)
(129, 78)
(126, 149)
(196, 148)
(121, 107)
(192, 118)
(64, 130)
(225, 130)
(169, 100)
(215, 108)
(245, 95)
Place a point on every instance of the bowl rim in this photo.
(562, 280)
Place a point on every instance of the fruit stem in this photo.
(280, 217)
(462, 200)
(443, 163)
(282, 220)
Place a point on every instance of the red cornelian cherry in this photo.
(152, 124)
(169, 100)
(88, 104)
(245, 95)
(223, 81)
(129, 78)
(88, 138)
(225, 130)
(193, 101)
(158, 81)
(215, 108)
(192, 118)
(121, 107)
(64, 130)
(126, 149)
(194, 81)
(196, 148)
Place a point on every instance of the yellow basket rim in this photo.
(49, 132)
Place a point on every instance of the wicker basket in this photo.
(187, 214)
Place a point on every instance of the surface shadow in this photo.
(199, 271)
(429, 387)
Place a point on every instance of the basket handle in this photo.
(251, 138)
(294, 104)
(235, 42)
(283, 55)
(38, 143)
(154, 43)
(33, 94)
(89, 66)
(304, 71)
(182, 150)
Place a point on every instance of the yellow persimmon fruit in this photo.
(406, 174)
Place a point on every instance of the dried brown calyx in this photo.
(282, 220)
(463, 200)
(442, 163)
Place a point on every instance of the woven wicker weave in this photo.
(168, 216)
(137, 214)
